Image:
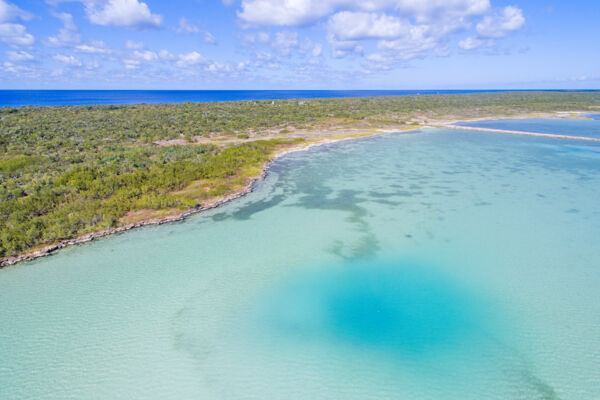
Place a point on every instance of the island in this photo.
(70, 174)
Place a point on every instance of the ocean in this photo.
(16, 98)
(439, 264)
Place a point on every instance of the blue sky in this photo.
(299, 44)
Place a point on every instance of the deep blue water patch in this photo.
(398, 306)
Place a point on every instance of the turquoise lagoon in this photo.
(431, 265)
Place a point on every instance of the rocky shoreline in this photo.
(248, 188)
(50, 249)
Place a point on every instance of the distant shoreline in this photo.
(48, 97)
(50, 249)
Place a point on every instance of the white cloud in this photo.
(139, 57)
(501, 23)
(145, 55)
(403, 29)
(131, 64)
(417, 43)
(126, 13)
(257, 37)
(226, 69)
(10, 12)
(68, 35)
(132, 45)
(285, 41)
(94, 47)
(190, 59)
(19, 56)
(284, 12)
(12, 33)
(165, 55)
(68, 60)
(472, 43)
(67, 20)
(186, 26)
(495, 26)
(18, 69)
(348, 25)
(263, 56)
(15, 35)
(302, 12)
(342, 48)
(317, 50)
(209, 38)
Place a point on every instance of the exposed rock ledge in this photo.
(48, 250)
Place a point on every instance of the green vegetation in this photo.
(54, 199)
(65, 171)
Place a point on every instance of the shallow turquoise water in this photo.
(570, 127)
(437, 265)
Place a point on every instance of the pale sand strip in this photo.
(508, 132)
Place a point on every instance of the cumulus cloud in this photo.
(131, 14)
(191, 59)
(285, 41)
(18, 69)
(225, 68)
(15, 35)
(501, 23)
(209, 38)
(402, 29)
(495, 26)
(10, 12)
(165, 55)
(94, 47)
(67, 60)
(257, 37)
(133, 45)
(342, 48)
(348, 25)
(12, 33)
(19, 56)
(68, 35)
(317, 50)
(145, 55)
(472, 43)
(138, 57)
(302, 12)
(185, 26)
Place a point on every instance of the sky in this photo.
(299, 44)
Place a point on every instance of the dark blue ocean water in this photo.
(17, 98)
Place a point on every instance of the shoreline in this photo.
(51, 249)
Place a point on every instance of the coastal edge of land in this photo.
(327, 138)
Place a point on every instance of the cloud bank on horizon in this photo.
(276, 44)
